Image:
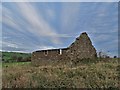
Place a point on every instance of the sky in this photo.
(31, 26)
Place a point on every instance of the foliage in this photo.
(15, 57)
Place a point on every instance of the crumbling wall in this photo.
(47, 55)
(80, 49)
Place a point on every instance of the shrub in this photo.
(19, 59)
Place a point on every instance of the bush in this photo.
(19, 59)
(115, 56)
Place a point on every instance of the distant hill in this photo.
(15, 57)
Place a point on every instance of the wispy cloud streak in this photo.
(69, 16)
(37, 24)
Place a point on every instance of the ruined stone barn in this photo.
(81, 48)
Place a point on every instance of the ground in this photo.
(100, 73)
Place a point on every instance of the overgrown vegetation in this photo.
(15, 57)
(99, 73)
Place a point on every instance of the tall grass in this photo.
(83, 74)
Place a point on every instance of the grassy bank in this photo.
(98, 74)
(15, 56)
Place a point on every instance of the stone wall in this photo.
(80, 49)
(48, 55)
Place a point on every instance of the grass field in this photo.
(14, 56)
(99, 74)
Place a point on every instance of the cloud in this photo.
(50, 13)
(8, 44)
(12, 20)
(45, 47)
(32, 19)
(69, 16)
(111, 46)
(104, 37)
(15, 46)
(6, 48)
(37, 24)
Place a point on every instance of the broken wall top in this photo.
(83, 39)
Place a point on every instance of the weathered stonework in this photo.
(80, 49)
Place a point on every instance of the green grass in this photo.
(99, 74)
(9, 54)
(13, 56)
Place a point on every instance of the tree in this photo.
(103, 55)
